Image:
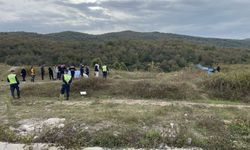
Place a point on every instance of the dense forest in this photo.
(122, 50)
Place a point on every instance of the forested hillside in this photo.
(121, 50)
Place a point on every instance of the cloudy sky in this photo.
(207, 18)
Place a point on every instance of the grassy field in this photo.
(134, 109)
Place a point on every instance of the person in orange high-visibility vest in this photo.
(13, 81)
(32, 73)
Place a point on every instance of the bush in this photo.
(231, 85)
(152, 89)
(42, 90)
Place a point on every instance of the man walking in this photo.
(67, 80)
(12, 79)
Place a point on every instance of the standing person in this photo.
(12, 79)
(23, 74)
(96, 69)
(51, 77)
(87, 70)
(67, 80)
(42, 72)
(72, 71)
(218, 68)
(104, 71)
(55, 71)
(62, 69)
(32, 73)
(81, 69)
(59, 72)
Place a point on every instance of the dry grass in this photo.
(123, 125)
(233, 85)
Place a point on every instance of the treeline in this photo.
(164, 54)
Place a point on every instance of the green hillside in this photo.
(121, 50)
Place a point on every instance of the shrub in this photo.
(152, 89)
(42, 90)
(231, 85)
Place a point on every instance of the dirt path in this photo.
(154, 103)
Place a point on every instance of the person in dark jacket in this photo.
(14, 84)
(62, 69)
(42, 72)
(81, 69)
(96, 70)
(72, 71)
(87, 70)
(67, 80)
(23, 74)
(51, 77)
(59, 72)
(218, 68)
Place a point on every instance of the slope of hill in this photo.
(69, 35)
(122, 50)
(131, 35)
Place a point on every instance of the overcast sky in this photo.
(207, 18)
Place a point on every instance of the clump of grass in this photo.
(53, 89)
(98, 87)
(240, 127)
(91, 83)
(42, 90)
(233, 85)
(152, 89)
(7, 135)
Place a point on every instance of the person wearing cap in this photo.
(12, 79)
(67, 80)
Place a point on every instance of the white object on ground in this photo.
(83, 93)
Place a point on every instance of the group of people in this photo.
(32, 74)
(60, 72)
(56, 72)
